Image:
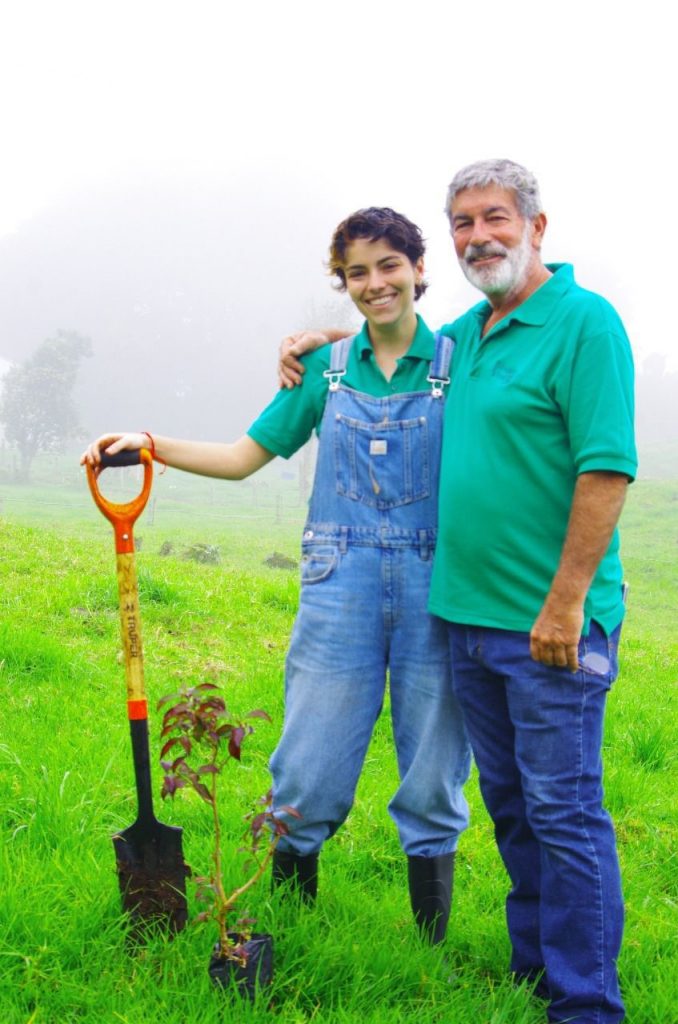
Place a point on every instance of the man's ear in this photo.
(539, 228)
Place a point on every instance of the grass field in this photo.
(66, 779)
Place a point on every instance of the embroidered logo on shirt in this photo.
(503, 373)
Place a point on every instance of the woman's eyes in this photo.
(357, 272)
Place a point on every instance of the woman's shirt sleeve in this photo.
(286, 424)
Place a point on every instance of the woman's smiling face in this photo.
(381, 281)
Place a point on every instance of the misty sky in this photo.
(290, 115)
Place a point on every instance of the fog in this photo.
(171, 177)
(186, 292)
(184, 307)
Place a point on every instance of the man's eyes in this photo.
(493, 218)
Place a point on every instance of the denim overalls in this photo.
(367, 555)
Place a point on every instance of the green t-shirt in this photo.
(290, 419)
(545, 395)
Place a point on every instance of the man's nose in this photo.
(480, 233)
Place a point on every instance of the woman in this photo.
(376, 402)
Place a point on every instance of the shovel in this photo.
(149, 856)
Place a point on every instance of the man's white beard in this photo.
(506, 276)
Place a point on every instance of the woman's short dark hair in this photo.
(374, 223)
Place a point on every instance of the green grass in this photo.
(66, 779)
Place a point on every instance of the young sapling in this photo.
(201, 737)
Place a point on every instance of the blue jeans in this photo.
(362, 614)
(536, 734)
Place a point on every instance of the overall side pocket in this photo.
(318, 562)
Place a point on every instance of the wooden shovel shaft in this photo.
(122, 517)
(130, 631)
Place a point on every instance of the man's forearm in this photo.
(596, 506)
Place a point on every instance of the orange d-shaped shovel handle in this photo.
(123, 516)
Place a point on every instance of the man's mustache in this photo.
(477, 252)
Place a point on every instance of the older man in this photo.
(538, 450)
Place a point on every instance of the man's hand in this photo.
(554, 638)
(290, 370)
(596, 506)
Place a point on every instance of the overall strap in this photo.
(439, 373)
(338, 361)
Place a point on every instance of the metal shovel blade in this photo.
(152, 874)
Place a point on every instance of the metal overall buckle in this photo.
(438, 385)
(334, 377)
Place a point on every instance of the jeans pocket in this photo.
(598, 654)
(613, 652)
(318, 562)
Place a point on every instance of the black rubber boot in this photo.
(430, 880)
(300, 874)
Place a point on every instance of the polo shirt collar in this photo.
(422, 347)
(536, 309)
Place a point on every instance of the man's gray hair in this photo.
(505, 174)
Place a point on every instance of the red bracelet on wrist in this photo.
(154, 455)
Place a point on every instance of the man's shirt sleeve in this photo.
(598, 400)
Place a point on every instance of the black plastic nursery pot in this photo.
(254, 974)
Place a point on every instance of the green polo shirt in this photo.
(288, 422)
(545, 395)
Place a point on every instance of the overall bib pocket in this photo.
(383, 465)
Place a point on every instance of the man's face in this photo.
(495, 244)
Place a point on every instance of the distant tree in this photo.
(37, 408)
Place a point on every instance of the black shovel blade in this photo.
(152, 874)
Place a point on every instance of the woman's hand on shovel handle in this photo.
(112, 444)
